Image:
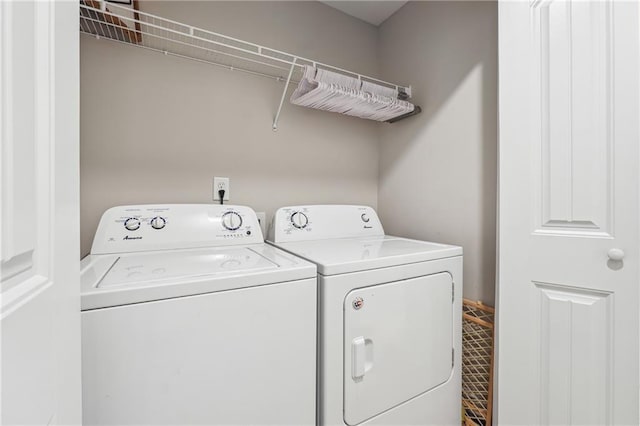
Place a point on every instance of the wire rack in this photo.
(477, 362)
(130, 26)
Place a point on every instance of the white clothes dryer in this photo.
(188, 317)
(389, 317)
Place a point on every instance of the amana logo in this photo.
(126, 237)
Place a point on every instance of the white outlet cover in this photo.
(223, 182)
(262, 219)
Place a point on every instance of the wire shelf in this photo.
(133, 27)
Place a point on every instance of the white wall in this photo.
(437, 176)
(156, 129)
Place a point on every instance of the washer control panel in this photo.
(300, 223)
(126, 229)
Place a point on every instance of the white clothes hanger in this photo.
(329, 91)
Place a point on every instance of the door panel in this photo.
(575, 340)
(39, 248)
(397, 343)
(572, 103)
(568, 296)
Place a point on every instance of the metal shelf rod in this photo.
(191, 58)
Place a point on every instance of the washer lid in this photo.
(154, 267)
(113, 280)
(343, 255)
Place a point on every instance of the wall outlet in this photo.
(221, 183)
(262, 220)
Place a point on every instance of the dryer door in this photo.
(397, 343)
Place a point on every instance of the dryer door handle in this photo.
(361, 357)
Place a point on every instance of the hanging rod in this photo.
(133, 27)
(417, 110)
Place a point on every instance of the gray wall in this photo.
(156, 129)
(437, 178)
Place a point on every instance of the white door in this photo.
(39, 251)
(569, 195)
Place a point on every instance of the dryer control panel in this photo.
(127, 229)
(302, 223)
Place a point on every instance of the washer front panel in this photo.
(243, 357)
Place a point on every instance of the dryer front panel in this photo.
(398, 340)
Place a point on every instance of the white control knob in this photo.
(158, 222)
(231, 221)
(364, 217)
(616, 254)
(132, 224)
(299, 220)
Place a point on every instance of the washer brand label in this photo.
(358, 303)
(126, 237)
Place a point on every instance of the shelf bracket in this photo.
(284, 94)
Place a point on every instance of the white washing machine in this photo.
(188, 317)
(389, 317)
